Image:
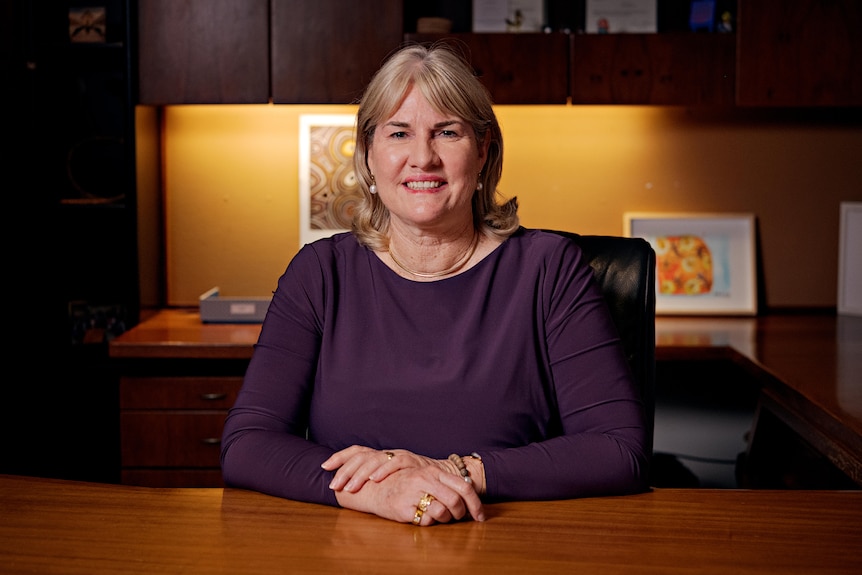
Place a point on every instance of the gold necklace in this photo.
(457, 266)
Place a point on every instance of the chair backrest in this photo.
(625, 271)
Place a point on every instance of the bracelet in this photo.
(462, 467)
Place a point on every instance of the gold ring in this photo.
(425, 502)
(389, 454)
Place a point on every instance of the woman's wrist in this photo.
(470, 468)
(477, 471)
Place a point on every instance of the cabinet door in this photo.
(325, 52)
(515, 68)
(658, 69)
(806, 53)
(203, 51)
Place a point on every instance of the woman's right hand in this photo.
(399, 495)
(386, 482)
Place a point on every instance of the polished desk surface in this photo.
(820, 356)
(55, 526)
(179, 333)
(808, 368)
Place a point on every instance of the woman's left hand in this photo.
(356, 465)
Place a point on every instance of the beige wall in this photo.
(230, 184)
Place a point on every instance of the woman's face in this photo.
(426, 165)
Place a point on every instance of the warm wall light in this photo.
(232, 178)
(231, 182)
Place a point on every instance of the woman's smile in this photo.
(424, 185)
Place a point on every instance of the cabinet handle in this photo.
(213, 396)
(211, 440)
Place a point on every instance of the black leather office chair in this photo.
(625, 271)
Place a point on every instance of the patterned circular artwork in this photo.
(333, 189)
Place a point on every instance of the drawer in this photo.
(171, 438)
(178, 392)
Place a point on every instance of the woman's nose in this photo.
(423, 153)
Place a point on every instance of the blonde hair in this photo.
(447, 81)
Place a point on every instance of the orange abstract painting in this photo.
(685, 265)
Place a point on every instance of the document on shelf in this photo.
(508, 15)
(621, 16)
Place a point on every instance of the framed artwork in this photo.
(87, 24)
(850, 259)
(705, 263)
(328, 190)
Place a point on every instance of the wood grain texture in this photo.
(213, 52)
(52, 526)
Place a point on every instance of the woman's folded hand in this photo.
(402, 486)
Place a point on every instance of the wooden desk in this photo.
(808, 367)
(53, 526)
(180, 334)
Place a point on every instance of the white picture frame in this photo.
(850, 259)
(705, 262)
(328, 189)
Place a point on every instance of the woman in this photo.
(437, 328)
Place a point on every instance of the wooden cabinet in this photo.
(806, 53)
(657, 69)
(515, 68)
(643, 69)
(254, 51)
(325, 52)
(170, 429)
(203, 51)
(178, 378)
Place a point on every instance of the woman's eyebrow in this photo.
(438, 125)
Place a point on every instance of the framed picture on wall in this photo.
(328, 191)
(705, 263)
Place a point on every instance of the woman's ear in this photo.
(484, 145)
(369, 156)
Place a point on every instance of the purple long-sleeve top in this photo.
(516, 358)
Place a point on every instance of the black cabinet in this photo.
(71, 270)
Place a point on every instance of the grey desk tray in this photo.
(216, 309)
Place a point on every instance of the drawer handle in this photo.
(211, 440)
(213, 396)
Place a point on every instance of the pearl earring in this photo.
(373, 187)
(479, 185)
